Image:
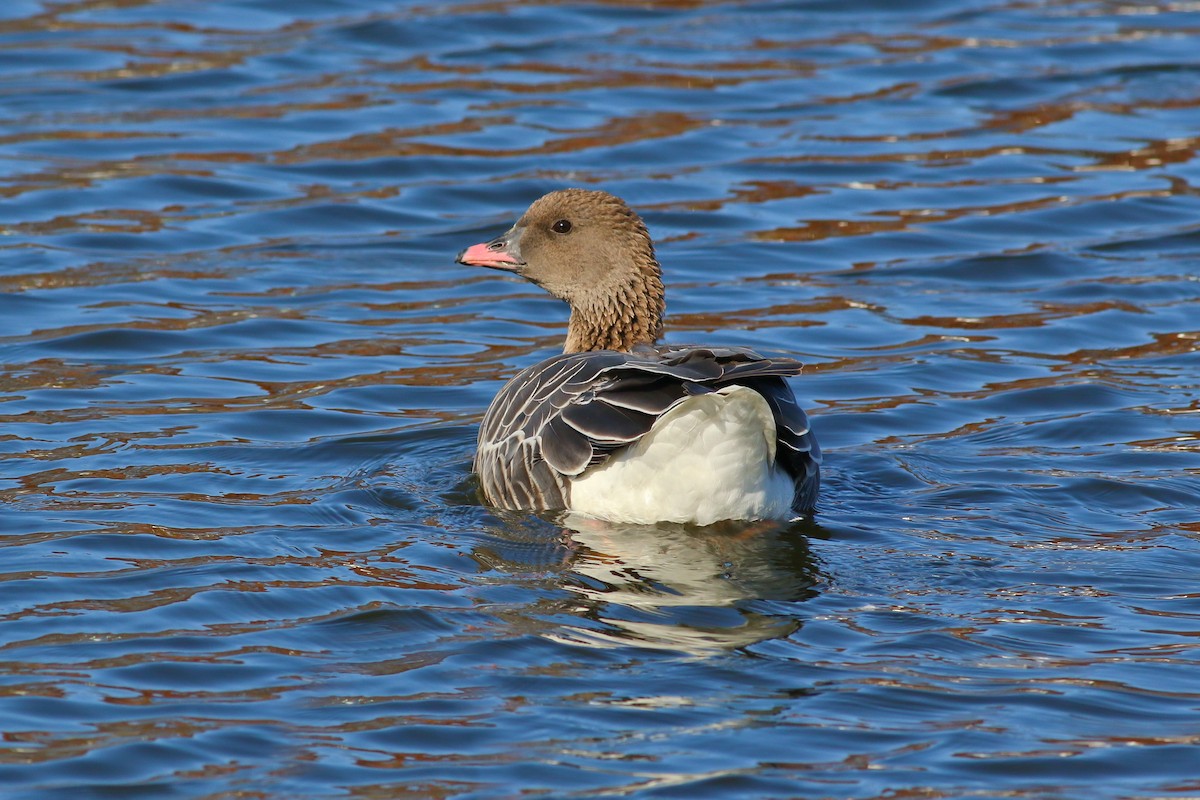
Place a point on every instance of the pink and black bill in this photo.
(503, 252)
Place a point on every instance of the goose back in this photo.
(555, 419)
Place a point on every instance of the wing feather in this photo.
(556, 418)
(564, 448)
(601, 422)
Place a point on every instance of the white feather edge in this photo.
(709, 458)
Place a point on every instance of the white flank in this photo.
(710, 458)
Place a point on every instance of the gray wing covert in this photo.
(555, 419)
(796, 447)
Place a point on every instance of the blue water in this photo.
(241, 375)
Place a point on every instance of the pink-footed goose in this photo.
(620, 427)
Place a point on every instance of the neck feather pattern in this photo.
(621, 319)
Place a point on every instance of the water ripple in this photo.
(240, 378)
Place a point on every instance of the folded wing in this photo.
(556, 419)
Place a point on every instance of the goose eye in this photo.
(562, 226)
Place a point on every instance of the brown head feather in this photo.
(591, 250)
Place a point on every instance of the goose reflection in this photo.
(697, 590)
(693, 589)
(686, 588)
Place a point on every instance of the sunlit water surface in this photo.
(243, 554)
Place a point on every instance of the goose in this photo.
(619, 427)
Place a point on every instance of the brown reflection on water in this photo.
(398, 143)
(348, 569)
(1161, 344)
(1047, 314)
(904, 219)
(1155, 154)
(749, 192)
(199, 318)
(782, 315)
(76, 176)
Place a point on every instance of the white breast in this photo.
(710, 458)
